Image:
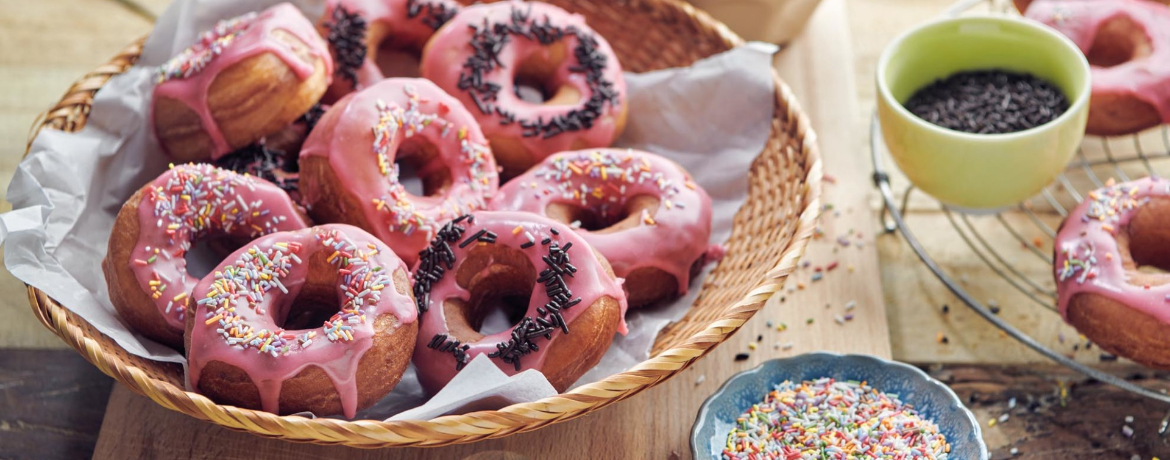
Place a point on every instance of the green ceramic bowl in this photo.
(980, 171)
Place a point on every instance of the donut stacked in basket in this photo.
(363, 222)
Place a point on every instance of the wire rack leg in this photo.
(890, 225)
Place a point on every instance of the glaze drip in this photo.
(242, 305)
(188, 77)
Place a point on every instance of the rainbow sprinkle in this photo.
(1082, 267)
(1107, 204)
(830, 419)
(611, 172)
(195, 200)
(211, 44)
(407, 218)
(246, 282)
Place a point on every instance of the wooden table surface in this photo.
(52, 402)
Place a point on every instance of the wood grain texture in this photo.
(51, 404)
(1086, 423)
(656, 422)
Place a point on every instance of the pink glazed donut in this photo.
(1127, 43)
(349, 168)
(358, 29)
(639, 210)
(145, 265)
(247, 78)
(572, 304)
(481, 54)
(1100, 289)
(253, 342)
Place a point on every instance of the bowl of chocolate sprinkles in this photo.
(988, 102)
(982, 111)
(764, 248)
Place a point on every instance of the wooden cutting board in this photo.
(657, 423)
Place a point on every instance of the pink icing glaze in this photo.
(407, 22)
(361, 146)
(450, 49)
(184, 80)
(1087, 255)
(1148, 78)
(670, 238)
(190, 202)
(243, 329)
(589, 283)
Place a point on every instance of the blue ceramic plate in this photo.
(931, 398)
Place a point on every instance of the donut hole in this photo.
(1119, 40)
(309, 309)
(535, 80)
(393, 53)
(397, 62)
(499, 307)
(500, 281)
(1148, 238)
(208, 252)
(315, 302)
(624, 216)
(420, 169)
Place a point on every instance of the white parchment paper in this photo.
(713, 118)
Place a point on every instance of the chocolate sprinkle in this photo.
(560, 298)
(435, 260)
(440, 342)
(262, 162)
(989, 102)
(310, 120)
(741, 356)
(490, 39)
(347, 39)
(438, 258)
(435, 14)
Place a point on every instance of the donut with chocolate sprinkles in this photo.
(358, 30)
(564, 302)
(639, 210)
(496, 57)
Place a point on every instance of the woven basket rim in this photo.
(470, 427)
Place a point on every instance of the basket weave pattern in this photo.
(770, 234)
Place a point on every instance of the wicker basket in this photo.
(770, 234)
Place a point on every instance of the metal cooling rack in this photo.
(1097, 161)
